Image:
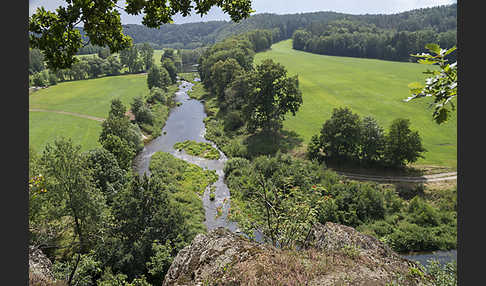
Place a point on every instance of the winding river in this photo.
(186, 122)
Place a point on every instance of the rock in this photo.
(207, 256)
(39, 268)
(335, 255)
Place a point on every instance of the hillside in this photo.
(370, 88)
(193, 35)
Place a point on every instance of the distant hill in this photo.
(193, 35)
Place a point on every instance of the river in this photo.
(186, 122)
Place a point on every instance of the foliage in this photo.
(274, 196)
(372, 140)
(445, 275)
(71, 191)
(366, 37)
(107, 174)
(161, 260)
(222, 74)
(169, 65)
(147, 54)
(346, 136)
(200, 149)
(273, 95)
(402, 144)
(80, 270)
(340, 135)
(55, 34)
(143, 212)
(142, 112)
(442, 84)
(314, 149)
(157, 95)
(158, 77)
(189, 176)
(119, 136)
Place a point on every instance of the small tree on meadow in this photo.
(372, 143)
(402, 144)
(340, 135)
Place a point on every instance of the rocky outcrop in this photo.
(335, 255)
(39, 268)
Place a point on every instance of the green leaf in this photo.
(433, 48)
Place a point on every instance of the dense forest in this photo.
(442, 20)
(381, 36)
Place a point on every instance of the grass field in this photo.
(90, 97)
(370, 88)
(45, 127)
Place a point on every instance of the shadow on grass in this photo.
(356, 167)
(265, 143)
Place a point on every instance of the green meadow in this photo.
(90, 97)
(45, 127)
(370, 88)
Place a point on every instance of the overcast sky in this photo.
(283, 7)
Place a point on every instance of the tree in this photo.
(340, 135)
(222, 74)
(71, 190)
(107, 175)
(145, 215)
(279, 197)
(157, 95)
(119, 136)
(402, 144)
(147, 53)
(56, 35)
(129, 58)
(104, 53)
(372, 142)
(36, 61)
(169, 65)
(158, 77)
(114, 65)
(442, 85)
(274, 95)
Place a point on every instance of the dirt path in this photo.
(69, 113)
(422, 179)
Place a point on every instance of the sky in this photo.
(282, 7)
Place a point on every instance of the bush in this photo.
(157, 95)
(233, 121)
(144, 115)
(235, 164)
(40, 79)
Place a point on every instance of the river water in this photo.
(186, 122)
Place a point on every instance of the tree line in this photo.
(347, 137)
(133, 60)
(246, 93)
(354, 38)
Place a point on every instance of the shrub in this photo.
(233, 121)
(157, 95)
(144, 115)
(235, 164)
